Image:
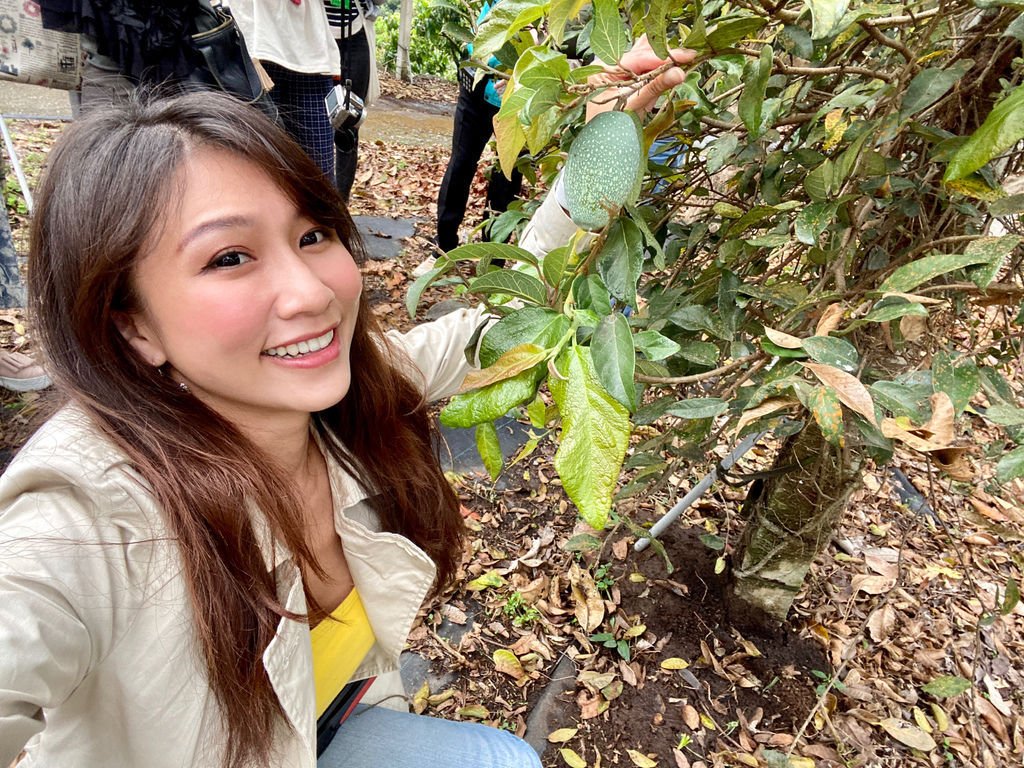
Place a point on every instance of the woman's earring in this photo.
(183, 387)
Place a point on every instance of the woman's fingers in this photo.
(645, 98)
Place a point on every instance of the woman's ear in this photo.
(140, 336)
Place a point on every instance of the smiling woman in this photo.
(244, 457)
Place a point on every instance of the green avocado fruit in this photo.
(604, 168)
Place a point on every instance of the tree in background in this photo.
(825, 244)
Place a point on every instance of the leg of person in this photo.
(501, 191)
(471, 132)
(375, 736)
(300, 100)
(355, 66)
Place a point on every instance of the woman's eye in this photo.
(228, 259)
(313, 237)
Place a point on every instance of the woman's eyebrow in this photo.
(225, 222)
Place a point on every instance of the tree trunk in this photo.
(403, 65)
(790, 519)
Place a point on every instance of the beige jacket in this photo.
(98, 663)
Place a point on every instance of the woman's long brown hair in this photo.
(110, 179)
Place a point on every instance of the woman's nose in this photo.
(300, 289)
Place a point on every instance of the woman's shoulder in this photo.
(69, 472)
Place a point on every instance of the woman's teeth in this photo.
(303, 347)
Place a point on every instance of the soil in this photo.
(686, 611)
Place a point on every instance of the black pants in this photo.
(472, 131)
(355, 66)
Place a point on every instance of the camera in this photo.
(344, 108)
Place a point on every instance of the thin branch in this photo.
(889, 42)
(900, 21)
(695, 377)
(1005, 289)
(787, 69)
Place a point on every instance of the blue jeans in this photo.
(374, 737)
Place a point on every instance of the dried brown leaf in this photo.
(881, 623)
(851, 392)
(910, 735)
(781, 339)
(829, 320)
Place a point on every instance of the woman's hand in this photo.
(639, 60)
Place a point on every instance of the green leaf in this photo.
(1005, 415)
(911, 275)
(529, 325)
(813, 220)
(694, 317)
(776, 351)
(929, 85)
(512, 283)
(751, 103)
(491, 252)
(833, 351)
(620, 261)
(702, 353)
(890, 308)
(1016, 28)
(826, 16)
(995, 251)
(491, 402)
(595, 434)
(654, 346)
(614, 358)
(489, 448)
(608, 39)
(562, 12)
(420, 284)
(503, 22)
(509, 132)
(947, 686)
(725, 34)
(656, 25)
(712, 541)
(591, 293)
(824, 405)
(820, 183)
(1007, 206)
(553, 267)
(1010, 598)
(958, 379)
(902, 400)
(699, 408)
(1003, 128)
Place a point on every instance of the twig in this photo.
(1002, 288)
(695, 377)
(887, 41)
(786, 69)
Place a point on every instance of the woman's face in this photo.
(252, 304)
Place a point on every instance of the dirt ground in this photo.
(899, 607)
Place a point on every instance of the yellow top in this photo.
(340, 643)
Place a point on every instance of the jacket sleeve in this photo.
(437, 350)
(550, 227)
(57, 589)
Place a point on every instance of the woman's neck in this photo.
(288, 442)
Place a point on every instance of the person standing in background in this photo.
(293, 42)
(474, 115)
(351, 23)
